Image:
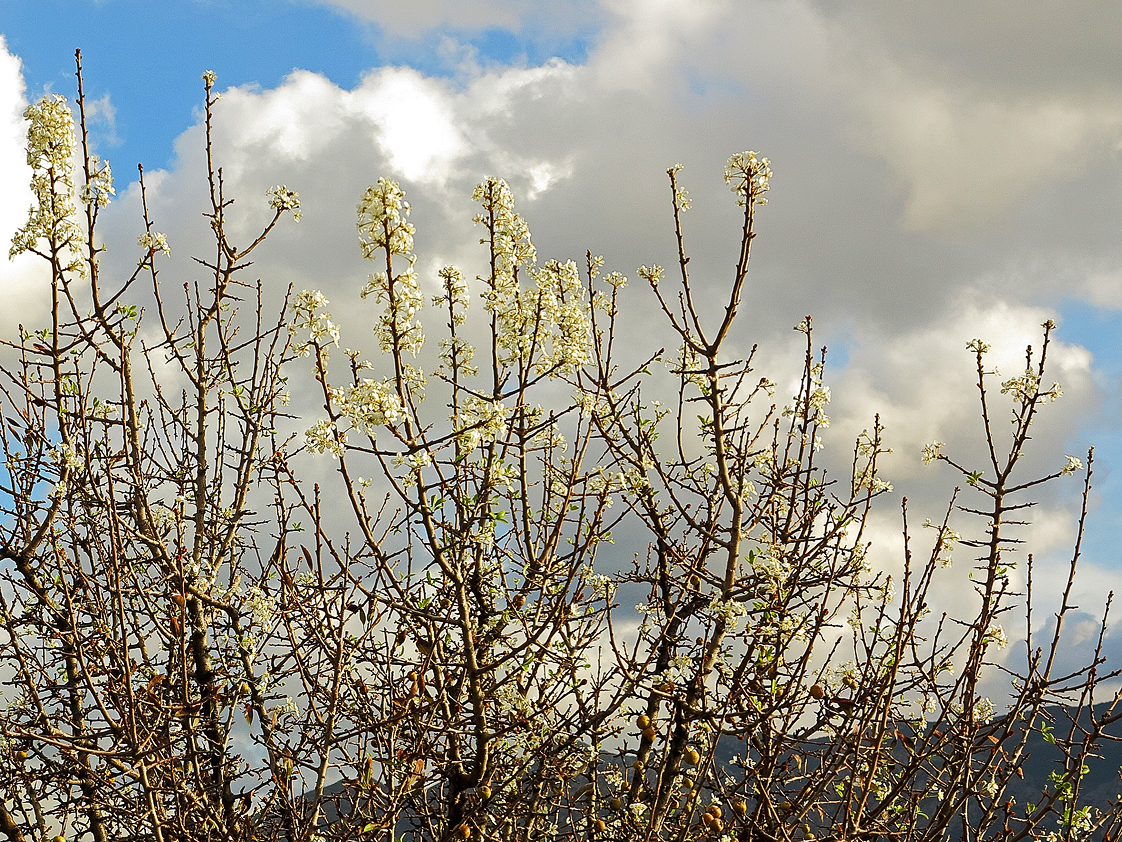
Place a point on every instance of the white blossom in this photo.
(50, 154)
(415, 462)
(601, 585)
(384, 233)
(480, 422)
(748, 175)
(772, 568)
(309, 315)
(67, 456)
(728, 611)
(548, 322)
(996, 636)
(100, 186)
(369, 404)
(283, 199)
(154, 241)
(1026, 388)
(1073, 464)
(324, 437)
(651, 274)
(260, 606)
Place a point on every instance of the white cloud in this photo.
(1104, 288)
(415, 122)
(647, 37)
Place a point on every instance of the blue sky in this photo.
(134, 48)
(942, 171)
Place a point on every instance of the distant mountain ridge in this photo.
(1099, 787)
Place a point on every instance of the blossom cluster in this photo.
(559, 305)
(945, 543)
(1074, 464)
(480, 422)
(509, 237)
(369, 404)
(1026, 387)
(309, 315)
(682, 200)
(261, 606)
(749, 177)
(50, 154)
(415, 462)
(384, 232)
(727, 611)
(819, 398)
(282, 199)
(772, 568)
(67, 456)
(602, 586)
(154, 241)
(996, 636)
(325, 437)
(547, 324)
(454, 293)
(381, 220)
(100, 186)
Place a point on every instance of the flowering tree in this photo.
(197, 646)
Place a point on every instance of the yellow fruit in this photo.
(21, 756)
(464, 831)
(642, 721)
(740, 807)
(718, 825)
(485, 792)
(649, 733)
(637, 765)
(817, 691)
(601, 826)
(59, 839)
(616, 802)
(715, 810)
(692, 756)
(707, 819)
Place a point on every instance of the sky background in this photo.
(943, 171)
